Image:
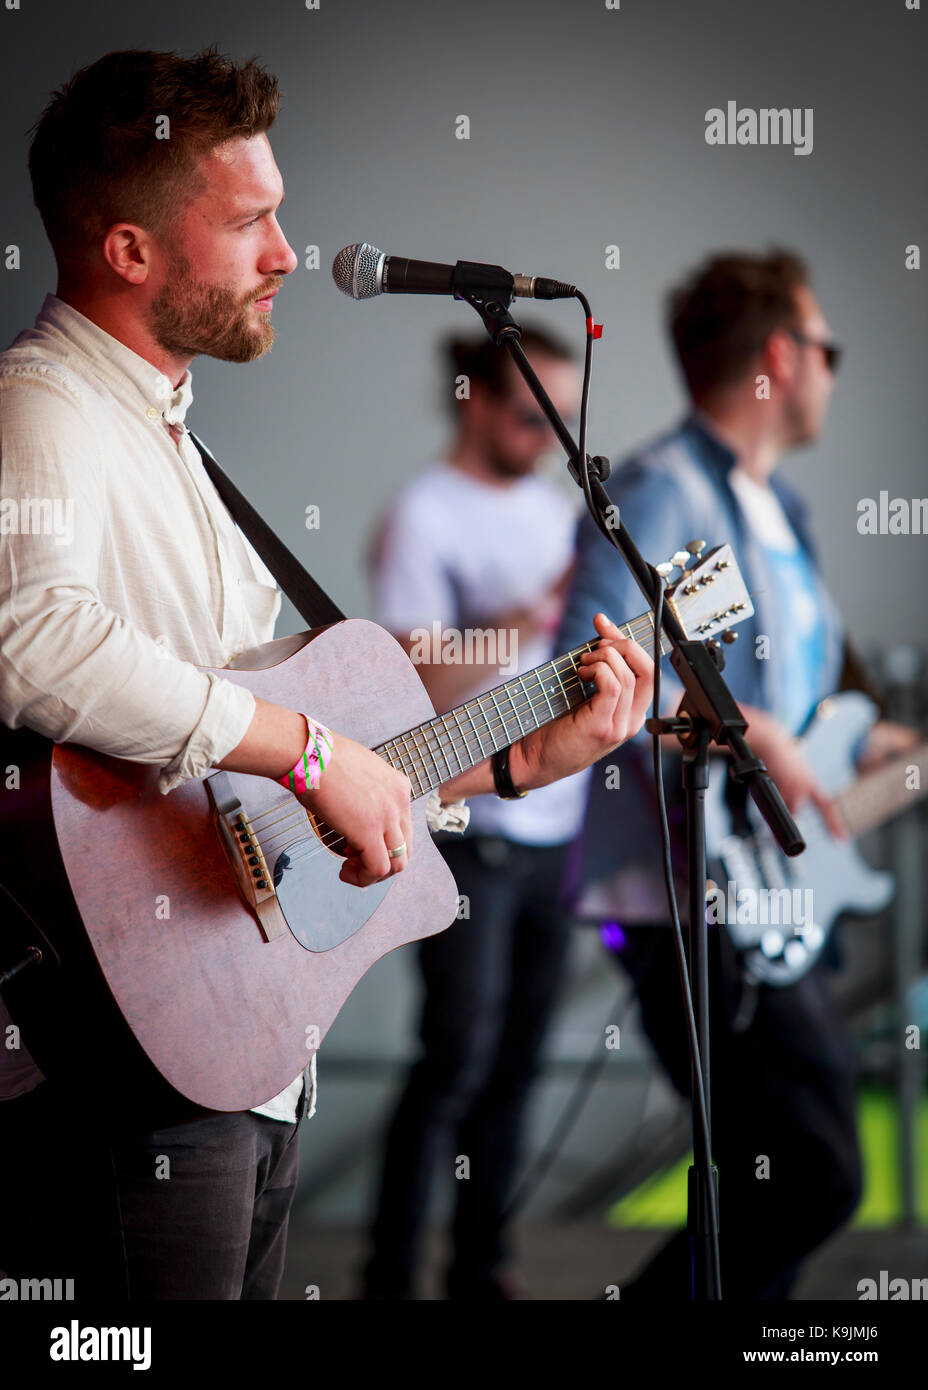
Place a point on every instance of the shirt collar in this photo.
(713, 450)
(145, 385)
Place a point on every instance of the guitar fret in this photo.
(486, 721)
(572, 671)
(433, 745)
(409, 767)
(413, 754)
(463, 732)
(531, 708)
(415, 761)
(428, 746)
(395, 757)
(544, 692)
(560, 682)
(512, 703)
(502, 721)
(451, 748)
(470, 716)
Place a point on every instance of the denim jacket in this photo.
(673, 491)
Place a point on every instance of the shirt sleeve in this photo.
(70, 667)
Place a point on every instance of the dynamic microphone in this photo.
(362, 270)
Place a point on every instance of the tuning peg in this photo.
(728, 636)
(665, 569)
(696, 547)
(681, 558)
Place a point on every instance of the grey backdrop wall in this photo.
(587, 129)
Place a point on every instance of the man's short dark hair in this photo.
(96, 157)
(723, 313)
(480, 360)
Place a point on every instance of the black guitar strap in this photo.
(309, 599)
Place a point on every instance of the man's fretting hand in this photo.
(623, 674)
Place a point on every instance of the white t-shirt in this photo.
(791, 575)
(764, 511)
(459, 551)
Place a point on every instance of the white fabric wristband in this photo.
(454, 817)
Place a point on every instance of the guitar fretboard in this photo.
(876, 796)
(438, 750)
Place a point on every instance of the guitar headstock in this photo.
(709, 596)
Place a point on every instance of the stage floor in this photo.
(578, 1260)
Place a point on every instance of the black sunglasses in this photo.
(831, 350)
(533, 419)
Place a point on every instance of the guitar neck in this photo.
(438, 750)
(877, 796)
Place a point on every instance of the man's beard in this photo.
(505, 466)
(189, 317)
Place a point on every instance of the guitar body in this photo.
(152, 953)
(833, 871)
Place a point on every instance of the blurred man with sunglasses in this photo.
(480, 542)
(758, 361)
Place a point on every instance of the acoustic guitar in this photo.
(205, 935)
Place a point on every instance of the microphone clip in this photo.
(480, 284)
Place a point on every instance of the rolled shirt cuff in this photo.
(454, 817)
(228, 712)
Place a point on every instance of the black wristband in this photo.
(502, 777)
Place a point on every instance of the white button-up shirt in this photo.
(121, 572)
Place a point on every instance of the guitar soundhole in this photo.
(319, 909)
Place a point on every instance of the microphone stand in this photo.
(708, 713)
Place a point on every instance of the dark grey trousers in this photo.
(192, 1211)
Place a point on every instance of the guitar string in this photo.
(497, 719)
(290, 817)
(435, 745)
(523, 704)
(289, 814)
(293, 816)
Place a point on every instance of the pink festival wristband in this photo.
(316, 756)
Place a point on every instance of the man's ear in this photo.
(128, 250)
(779, 356)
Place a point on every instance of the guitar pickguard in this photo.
(295, 885)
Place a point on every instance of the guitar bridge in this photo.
(244, 852)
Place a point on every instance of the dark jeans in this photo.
(783, 1088)
(490, 985)
(194, 1211)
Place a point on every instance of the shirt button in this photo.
(152, 413)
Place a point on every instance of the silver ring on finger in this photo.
(398, 852)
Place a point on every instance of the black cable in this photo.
(584, 1084)
(702, 1126)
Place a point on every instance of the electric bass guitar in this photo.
(779, 912)
(206, 934)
